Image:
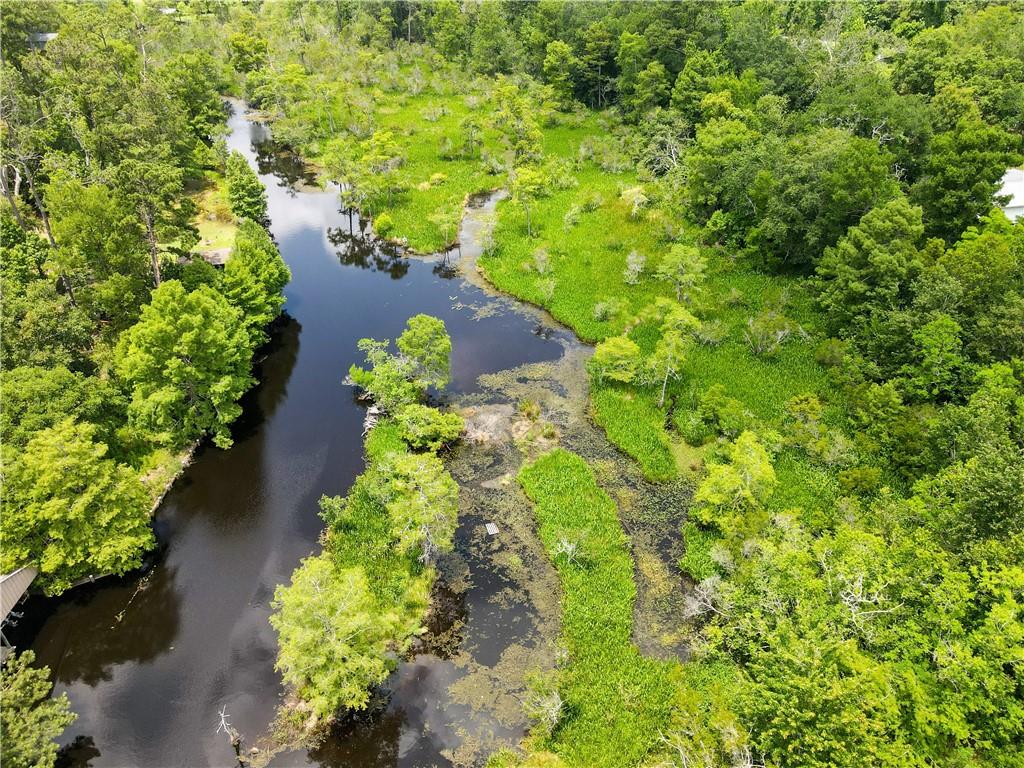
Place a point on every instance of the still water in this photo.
(148, 661)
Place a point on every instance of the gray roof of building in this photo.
(12, 586)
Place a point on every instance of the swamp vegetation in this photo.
(774, 516)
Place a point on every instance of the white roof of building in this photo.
(1013, 185)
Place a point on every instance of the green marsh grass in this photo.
(634, 423)
(617, 701)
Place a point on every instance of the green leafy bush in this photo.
(425, 428)
(616, 359)
(383, 225)
(715, 415)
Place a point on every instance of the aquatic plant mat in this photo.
(521, 414)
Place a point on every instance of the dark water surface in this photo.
(148, 661)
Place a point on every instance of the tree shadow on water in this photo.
(274, 159)
(276, 360)
(78, 754)
(93, 629)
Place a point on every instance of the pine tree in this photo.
(245, 191)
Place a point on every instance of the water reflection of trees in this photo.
(359, 248)
(410, 726)
(445, 268)
(370, 740)
(278, 160)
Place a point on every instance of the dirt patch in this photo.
(490, 423)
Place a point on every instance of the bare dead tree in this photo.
(568, 547)
(863, 603)
(10, 194)
(743, 757)
(706, 599)
(429, 550)
(233, 736)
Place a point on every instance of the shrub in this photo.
(529, 409)
(803, 420)
(862, 481)
(711, 333)
(766, 333)
(492, 165)
(560, 173)
(433, 114)
(616, 358)
(830, 353)
(635, 263)
(835, 450)
(593, 201)
(542, 261)
(724, 415)
(383, 225)
(635, 199)
(546, 288)
(543, 704)
(693, 429)
(607, 309)
(572, 217)
(446, 150)
(735, 297)
(426, 428)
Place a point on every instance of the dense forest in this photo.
(778, 223)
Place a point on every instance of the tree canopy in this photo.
(71, 511)
(30, 720)
(188, 362)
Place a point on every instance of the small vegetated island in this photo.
(780, 225)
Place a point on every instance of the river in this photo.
(149, 660)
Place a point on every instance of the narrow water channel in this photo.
(148, 661)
